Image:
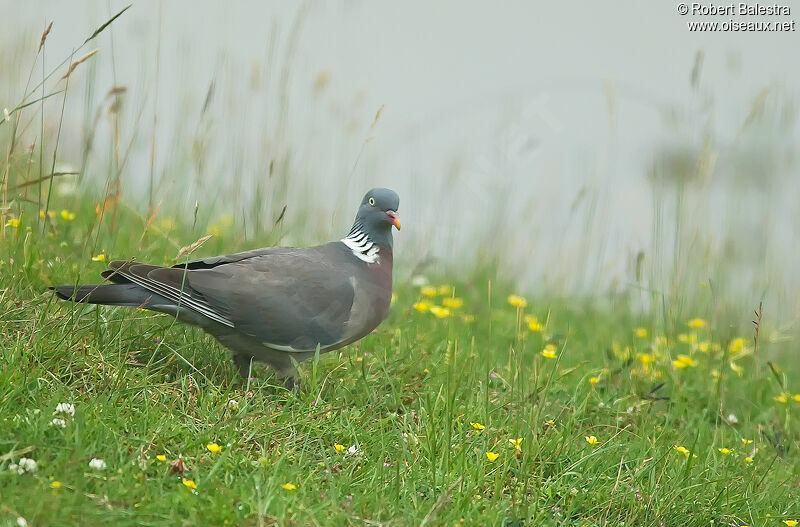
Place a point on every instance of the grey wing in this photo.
(214, 261)
(291, 299)
(172, 283)
(167, 282)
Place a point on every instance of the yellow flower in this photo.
(517, 442)
(338, 447)
(56, 485)
(683, 361)
(782, 398)
(12, 222)
(289, 486)
(790, 523)
(644, 358)
(214, 448)
(697, 323)
(796, 397)
(746, 441)
(736, 346)
(189, 483)
(167, 224)
(704, 346)
(683, 337)
(99, 258)
(428, 291)
(594, 380)
(67, 215)
(444, 290)
(453, 303)
(549, 351)
(592, 440)
(620, 352)
(738, 369)
(440, 312)
(748, 460)
(726, 451)
(491, 456)
(161, 457)
(394, 299)
(422, 306)
(477, 426)
(533, 323)
(517, 301)
(641, 332)
(682, 450)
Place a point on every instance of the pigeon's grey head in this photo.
(378, 213)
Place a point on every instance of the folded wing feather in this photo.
(292, 299)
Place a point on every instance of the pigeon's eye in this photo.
(371, 202)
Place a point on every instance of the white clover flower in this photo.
(25, 465)
(732, 419)
(97, 464)
(352, 450)
(58, 423)
(28, 464)
(65, 408)
(233, 404)
(22, 522)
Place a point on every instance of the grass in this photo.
(403, 400)
(626, 407)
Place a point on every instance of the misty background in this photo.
(581, 148)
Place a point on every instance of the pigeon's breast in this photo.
(370, 307)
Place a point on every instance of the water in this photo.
(528, 131)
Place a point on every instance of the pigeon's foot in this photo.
(289, 376)
(291, 383)
(244, 364)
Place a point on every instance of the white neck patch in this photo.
(363, 248)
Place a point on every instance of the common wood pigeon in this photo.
(273, 304)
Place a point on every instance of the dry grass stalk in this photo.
(189, 249)
(44, 35)
(759, 313)
(377, 117)
(375, 123)
(79, 61)
(43, 179)
(150, 221)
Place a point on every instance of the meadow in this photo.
(477, 402)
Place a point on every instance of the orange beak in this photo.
(393, 218)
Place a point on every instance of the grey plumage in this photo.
(273, 304)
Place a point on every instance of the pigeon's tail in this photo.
(130, 295)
